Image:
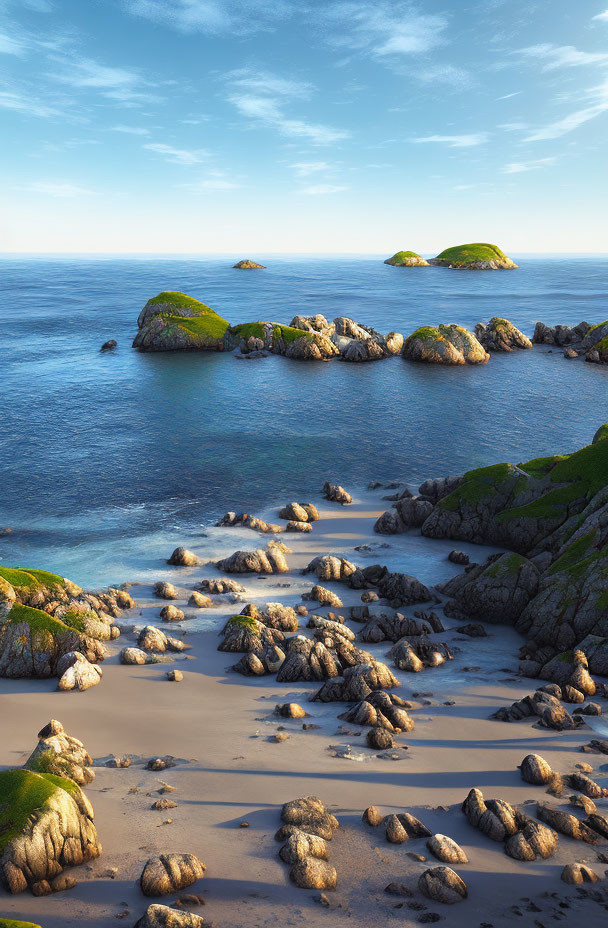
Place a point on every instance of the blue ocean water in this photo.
(110, 458)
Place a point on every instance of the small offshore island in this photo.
(479, 256)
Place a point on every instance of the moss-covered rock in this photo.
(497, 591)
(11, 923)
(175, 321)
(298, 344)
(406, 259)
(46, 824)
(479, 256)
(447, 344)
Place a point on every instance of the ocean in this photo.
(110, 460)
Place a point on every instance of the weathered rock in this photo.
(459, 557)
(290, 710)
(200, 601)
(583, 802)
(497, 591)
(274, 615)
(323, 596)
(299, 512)
(248, 265)
(336, 494)
(356, 683)
(75, 672)
(255, 664)
(270, 561)
(587, 786)
(110, 345)
(46, 824)
(151, 638)
(223, 585)
(446, 850)
(442, 884)
(494, 818)
(301, 845)
(501, 335)
(175, 676)
(162, 916)
(136, 656)
(578, 873)
(385, 627)
(170, 873)
(379, 739)
(60, 754)
(403, 590)
(395, 832)
(248, 521)
(373, 817)
(380, 710)
(569, 669)
(414, 656)
(447, 344)
(598, 823)
(312, 873)
(181, 557)
(165, 590)
(534, 840)
(566, 824)
(330, 567)
(472, 630)
(307, 660)
(302, 527)
(171, 614)
(309, 814)
(535, 769)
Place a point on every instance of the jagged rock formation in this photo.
(497, 591)
(151, 638)
(392, 628)
(219, 586)
(525, 839)
(162, 916)
(582, 340)
(248, 521)
(336, 494)
(501, 335)
(414, 656)
(274, 615)
(330, 567)
(356, 683)
(46, 824)
(548, 708)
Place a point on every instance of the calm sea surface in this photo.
(109, 460)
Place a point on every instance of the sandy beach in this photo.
(218, 725)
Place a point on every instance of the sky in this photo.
(308, 126)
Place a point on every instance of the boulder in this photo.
(578, 873)
(169, 873)
(535, 769)
(307, 660)
(497, 591)
(172, 614)
(199, 601)
(162, 916)
(323, 596)
(248, 521)
(290, 710)
(46, 824)
(299, 512)
(356, 683)
(566, 824)
(60, 754)
(501, 335)
(317, 323)
(395, 832)
(385, 627)
(136, 656)
(175, 676)
(270, 561)
(110, 345)
(534, 840)
(75, 672)
(173, 321)
(336, 494)
(446, 344)
(165, 590)
(380, 710)
(330, 567)
(312, 873)
(379, 739)
(257, 663)
(442, 884)
(181, 557)
(301, 845)
(446, 850)
(309, 814)
(151, 638)
(372, 816)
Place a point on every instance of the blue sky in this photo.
(303, 125)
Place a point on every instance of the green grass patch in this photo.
(204, 327)
(289, 334)
(37, 620)
(575, 553)
(11, 923)
(601, 434)
(507, 564)
(23, 792)
(469, 254)
(478, 485)
(401, 257)
(244, 621)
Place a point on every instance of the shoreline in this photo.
(225, 720)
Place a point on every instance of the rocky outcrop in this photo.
(151, 638)
(299, 512)
(446, 344)
(243, 633)
(248, 521)
(414, 656)
(307, 660)
(298, 344)
(523, 837)
(392, 628)
(220, 586)
(46, 824)
(169, 873)
(479, 256)
(548, 709)
(582, 340)
(497, 591)
(330, 567)
(560, 335)
(501, 335)
(336, 494)
(181, 557)
(270, 561)
(381, 710)
(357, 683)
(406, 259)
(317, 323)
(308, 825)
(274, 615)
(174, 321)
(248, 265)
(75, 672)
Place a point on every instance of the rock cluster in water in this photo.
(583, 340)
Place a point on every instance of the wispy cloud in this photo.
(597, 97)
(306, 168)
(601, 17)
(560, 56)
(456, 141)
(520, 167)
(122, 85)
(507, 96)
(210, 185)
(213, 17)
(21, 103)
(457, 78)
(263, 97)
(61, 189)
(130, 130)
(318, 190)
(383, 28)
(11, 44)
(178, 155)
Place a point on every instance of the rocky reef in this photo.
(478, 256)
(501, 335)
(552, 513)
(406, 259)
(446, 344)
(583, 340)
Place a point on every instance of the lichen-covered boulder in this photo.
(174, 321)
(406, 259)
(298, 344)
(497, 591)
(169, 873)
(46, 824)
(442, 884)
(501, 335)
(243, 633)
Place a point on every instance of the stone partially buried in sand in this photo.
(442, 884)
(162, 916)
(170, 873)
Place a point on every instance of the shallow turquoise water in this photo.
(111, 458)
